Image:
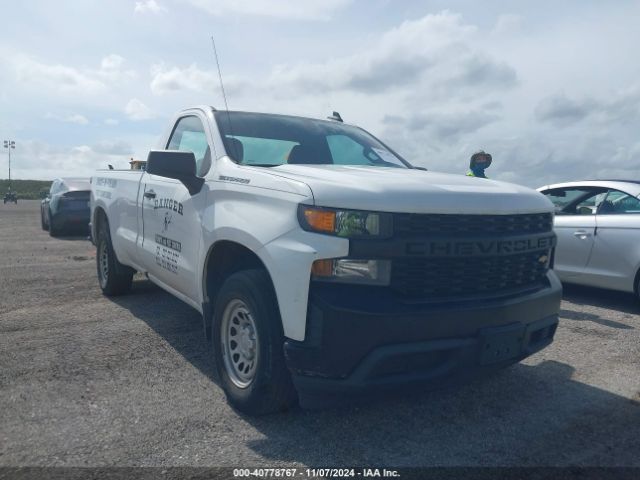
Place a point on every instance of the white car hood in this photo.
(412, 191)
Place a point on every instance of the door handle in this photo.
(150, 194)
(582, 234)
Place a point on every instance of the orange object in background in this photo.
(138, 164)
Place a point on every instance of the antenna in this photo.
(215, 53)
(224, 96)
(335, 117)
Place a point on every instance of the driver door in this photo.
(575, 226)
(171, 216)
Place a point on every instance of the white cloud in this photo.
(561, 110)
(59, 78)
(64, 79)
(136, 110)
(73, 118)
(149, 6)
(295, 9)
(434, 54)
(165, 80)
(445, 126)
(112, 70)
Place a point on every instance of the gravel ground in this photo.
(89, 381)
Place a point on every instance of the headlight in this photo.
(349, 270)
(344, 223)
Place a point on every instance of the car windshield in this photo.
(269, 140)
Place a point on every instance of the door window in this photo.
(189, 136)
(576, 200)
(617, 202)
(590, 204)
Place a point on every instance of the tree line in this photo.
(26, 189)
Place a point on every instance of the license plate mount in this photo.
(501, 343)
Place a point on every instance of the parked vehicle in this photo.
(66, 208)
(322, 262)
(598, 227)
(10, 197)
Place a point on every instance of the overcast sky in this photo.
(551, 89)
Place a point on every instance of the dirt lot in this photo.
(85, 380)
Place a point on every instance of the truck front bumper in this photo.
(360, 340)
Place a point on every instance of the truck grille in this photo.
(454, 277)
(410, 224)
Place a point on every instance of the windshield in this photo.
(270, 140)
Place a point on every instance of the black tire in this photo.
(270, 389)
(54, 230)
(45, 227)
(114, 278)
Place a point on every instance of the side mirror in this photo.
(175, 164)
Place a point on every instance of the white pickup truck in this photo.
(325, 264)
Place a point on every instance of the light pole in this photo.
(9, 144)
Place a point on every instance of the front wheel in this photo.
(115, 278)
(248, 345)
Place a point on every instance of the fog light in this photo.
(348, 270)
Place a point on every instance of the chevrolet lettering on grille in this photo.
(475, 248)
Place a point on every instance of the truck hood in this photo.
(412, 191)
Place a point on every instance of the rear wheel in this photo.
(45, 227)
(114, 278)
(248, 345)
(54, 229)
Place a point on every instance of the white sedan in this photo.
(598, 227)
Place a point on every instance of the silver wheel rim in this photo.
(240, 347)
(103, 263)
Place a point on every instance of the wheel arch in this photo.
(99, 218)
(224, 258)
